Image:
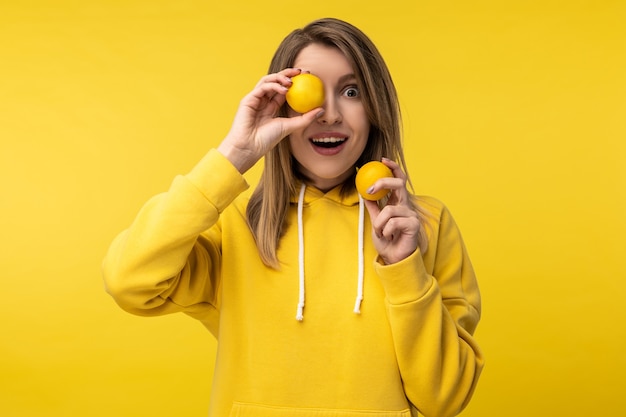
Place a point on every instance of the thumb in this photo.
(298, 122)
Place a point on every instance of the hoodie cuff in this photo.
(405, 281)
(218, 179)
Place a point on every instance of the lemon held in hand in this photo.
(367, 175)
(306, 93)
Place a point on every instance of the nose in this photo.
(332, 112)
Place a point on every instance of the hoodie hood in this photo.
(312, 194)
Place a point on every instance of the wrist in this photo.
(240, 158)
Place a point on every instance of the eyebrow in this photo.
(346, 77)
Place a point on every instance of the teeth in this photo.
(328, 140)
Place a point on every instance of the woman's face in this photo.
(326, 151)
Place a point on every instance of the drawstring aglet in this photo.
(299, 314)
(357, 305)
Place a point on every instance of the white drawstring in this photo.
(359, 296)
(299, 314)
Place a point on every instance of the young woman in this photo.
(318, 309)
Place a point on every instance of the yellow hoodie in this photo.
(409, 349)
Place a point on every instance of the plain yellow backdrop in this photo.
(514, 116)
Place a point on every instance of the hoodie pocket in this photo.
(258, 410)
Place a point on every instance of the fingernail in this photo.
(370, 190)
(320, 113)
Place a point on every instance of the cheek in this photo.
(295, 137)
(363, 139)
(296, 143)
(363, 126)
(358, 117)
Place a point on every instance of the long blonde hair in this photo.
(268, 205)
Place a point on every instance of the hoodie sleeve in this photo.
(168, 260)
(434, 306)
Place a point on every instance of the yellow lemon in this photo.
(367, 175)
(306, 93)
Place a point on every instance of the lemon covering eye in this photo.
(306, 93)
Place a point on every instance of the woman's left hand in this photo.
(395, 227)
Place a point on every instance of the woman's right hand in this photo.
(256, 129)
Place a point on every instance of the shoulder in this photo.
(436, 216)
(429, 202)
(430, 207)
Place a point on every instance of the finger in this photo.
(400, 226)
(372, 209)
(400, 194)
(386, 183)
(291, 72)
(397, 226)
(278, 99)
(265, 93)
(396, 219)
(282, 77)
(395, 168)
(292, 124)
(390, 212)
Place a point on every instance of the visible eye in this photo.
(352, 92)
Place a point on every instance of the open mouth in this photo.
(328, 143)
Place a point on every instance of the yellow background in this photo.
(515, 117)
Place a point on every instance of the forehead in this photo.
(323, 61)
